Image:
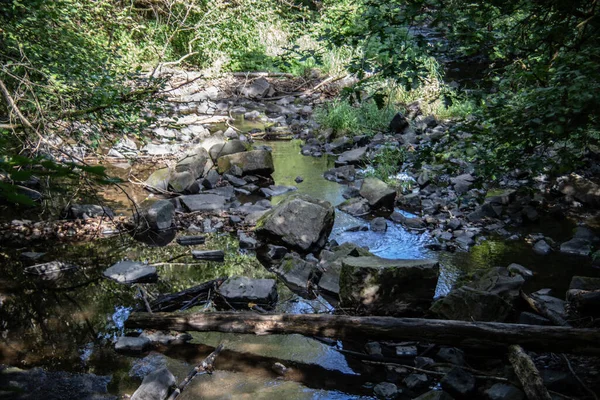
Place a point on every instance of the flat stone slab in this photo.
(127, 344)
(131, 272)
(354, 156)
(576, 247)
(240, 291)
(203, 202)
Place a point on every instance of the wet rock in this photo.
(257, 89)
(211, 179)
(224, 149)
(408, 222)
(576, 247)
(256, 162)
(277, 190)
(451, 355)
(416, 381)
(33, 384)
(553, 305)
(386, 390)
(406, 351)
(128, 344)
(155, 386)
(499, 281)
(398, 124)
(300, 222)
(354, 156)
(468, 304)
(378, 193)
(542, 248)
(458, 382)
(339, 145)
(203, 202)
(435, 395)
(383, 286)
(421, 362)
(355, 206)
(373, 349)
(379, 224)
(585, 233)
(583, 296)
(346, 173)
(131, 272)
(502, 391)
(272, 255)
(240, 291)
(85, 211)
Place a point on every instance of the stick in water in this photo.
(205, 367)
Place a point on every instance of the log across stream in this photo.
(454, 333)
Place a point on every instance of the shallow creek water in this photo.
(71, 322)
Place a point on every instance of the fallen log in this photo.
(209, 255)
(528, 375)
(454, 333)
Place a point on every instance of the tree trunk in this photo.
(454, 333)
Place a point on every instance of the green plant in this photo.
(388, 162)
(364, 118)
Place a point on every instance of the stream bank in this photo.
(408, 235)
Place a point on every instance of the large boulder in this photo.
(300, 222)
(468, 304)
(194, 164)
(580, 188)
(381, 286)
(240, 291)
(378, 193)
(155, 386)
(203, 202)
(155, 215)
(131, 272)
(227, 148)
(256, 162)
(158, 181)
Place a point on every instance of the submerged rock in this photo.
(576, 247)
(131, 272)
(468, 304)
(299, 222)
(381, 286)
(155, 386)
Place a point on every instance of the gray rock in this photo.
(299, 179)
(454, 224)
(458, 382)
(498, 281)
(421, 362)
(517, 269)
(406, 351)
(583, 232)
(224, 149)
(131, 272)
(416, 381)
(355, 156)
(297, 274)
(155, 386)
(277, 190)
(581, 189)
(504, 197)
(386, 390)
(183, 182)
(502, 391)
(128, 344)
(193, 164)
(576, 247)
(238, 292)
(300, 222)
(410, 202)
(435, 395)
(468, 304)
(379, 224)
(346, 173)
(160, 149)
(158, 181)
(451, 355)
(339, 144)
(203, 202)
(382, 286)
(256, 162)
(373, 349)
(155, 215)
(234, 180)
(84, 211)
(398, 124)
(462, 183)
(411, 223)
(542, 248)
(257, 89)
(378, 193)
(247, 242)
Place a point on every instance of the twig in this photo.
(145, 298)
(205, 367)
(583, 385)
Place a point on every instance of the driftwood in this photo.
(528, 375)
(542, 310)
(454, 333)
(190, 240)
(186, 298)
(205, 367)
(209, 255)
